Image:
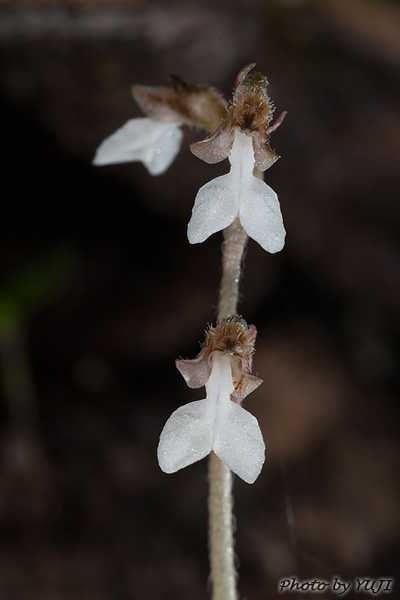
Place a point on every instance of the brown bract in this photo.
(233, 337)
(199, 106)
(249, 111)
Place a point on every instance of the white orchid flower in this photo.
(239, 194)
(218, 423)
(155, 140)
(242, 136)
(152, 142)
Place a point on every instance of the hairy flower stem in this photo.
(235, 239)
(223, 574)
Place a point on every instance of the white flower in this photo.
(215, 423)
(152, 142)
(239, 194)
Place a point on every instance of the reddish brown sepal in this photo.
(233, 337)
(250, 111)
(199, 106)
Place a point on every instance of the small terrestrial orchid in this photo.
(243, 138)
(218, 423)
(155, 140)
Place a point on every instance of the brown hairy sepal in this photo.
(250, 111)
(199, 106)
(231, 337)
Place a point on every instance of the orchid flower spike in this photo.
(155, 140)
(243, 138)
(218, 423)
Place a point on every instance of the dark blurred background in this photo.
(101, 292)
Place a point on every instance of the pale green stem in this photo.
(223, 573)
(235, 239)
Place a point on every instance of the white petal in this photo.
(242, 155)
(259, 212)
(215, 207)
(260, 215)
(187, 436)
(238, 441)
(152, 142)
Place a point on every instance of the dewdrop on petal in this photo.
(218, 423)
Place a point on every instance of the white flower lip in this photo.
(146, 140)
(239, 193)
(214, 424)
